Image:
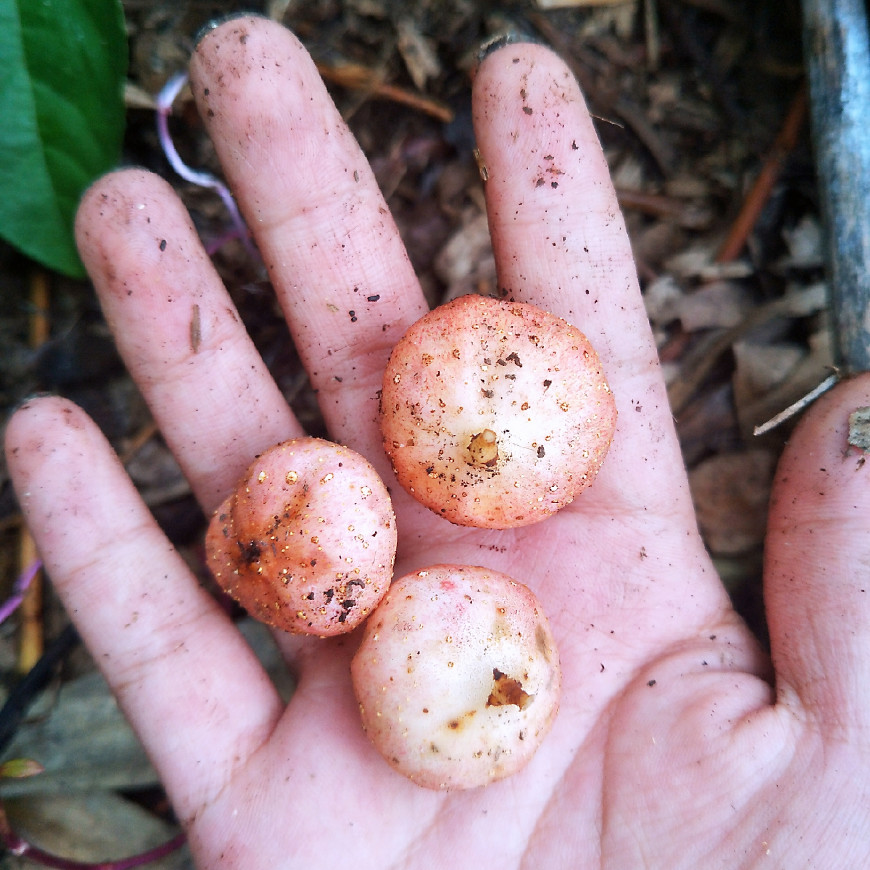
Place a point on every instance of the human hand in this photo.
(678, 744)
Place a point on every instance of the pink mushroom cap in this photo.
(457, 676)
(307, 540)
(495, 413)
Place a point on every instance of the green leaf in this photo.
(62, 110)
(20, 768)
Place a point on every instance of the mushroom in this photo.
(307, 540)
(457, 676)
(495, 413)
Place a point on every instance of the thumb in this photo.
(817, 572)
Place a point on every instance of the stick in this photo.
(357, 77)
(796, 407)
(837, 52)
(761, 190)
(31, 635)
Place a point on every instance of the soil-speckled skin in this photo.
(457, 676)
(306, 542)
(495, 413)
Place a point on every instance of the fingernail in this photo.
(509, 37)
(21, 404)
(209, 26)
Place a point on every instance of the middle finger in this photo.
(334, 255)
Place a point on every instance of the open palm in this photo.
(678, 744)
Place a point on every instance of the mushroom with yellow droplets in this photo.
(495, 413)
(457, 676)
(307, 540)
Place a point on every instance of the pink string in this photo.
(165, 99)
(19, 589)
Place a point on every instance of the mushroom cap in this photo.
(495, 413)
(307, 540)
(457, 676)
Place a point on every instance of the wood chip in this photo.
(717, 305)
(859, 429)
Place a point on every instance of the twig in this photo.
(31, 638)
(688, 215)
(798, 406)
(25, 690)
(138, 441)
(761, 190)
(358, 77)
(652, 36)
(682, 390)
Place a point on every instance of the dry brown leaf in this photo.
(662, 298)
(717, 305)
(417, 52)
(761, 367)
(466, 262)
(88, 827)
(731, 492)
(699, 262)
(805, 244)
(759, 396)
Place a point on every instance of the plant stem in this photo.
(165, 99)
(22, 849)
